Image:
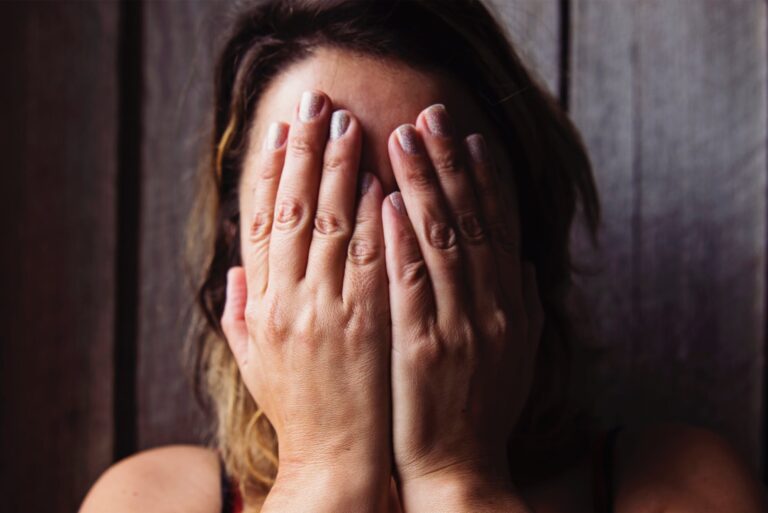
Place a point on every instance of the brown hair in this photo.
(460, 38)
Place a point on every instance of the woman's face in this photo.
(382, 95)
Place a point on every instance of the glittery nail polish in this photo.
(276, 135)
(339, 124)
(408, 139)
(365, 183)
(477, 148)
(397, 201)
(437, 120)
(310, 106)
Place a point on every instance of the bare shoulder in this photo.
(678, 467)
(172, 478)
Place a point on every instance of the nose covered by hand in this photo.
(382, 333)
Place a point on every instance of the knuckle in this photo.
(261, 225)
(302, 145)
(427, 353)
(275, 322)
(289, 214)
(420, 178)
(252, 316)
(334, 163)
(496, 325)
(328, 223)
(414, 273)
(446, 162)
(269, 171)
(471, 227)
(365, 217)
(441, 235)
(362, 251)
(227, 323)
(306, 329)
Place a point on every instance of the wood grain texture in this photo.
(534, 28)
(671, 99)
(59, 138)
(178, 75)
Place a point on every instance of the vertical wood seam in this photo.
(128, 224)
(764, 412)
(636, 236)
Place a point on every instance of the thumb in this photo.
(233, 318)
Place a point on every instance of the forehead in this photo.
(381, 93)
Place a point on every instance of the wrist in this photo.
(461, 489)
(330, 487)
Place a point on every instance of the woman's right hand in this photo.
(307, 318)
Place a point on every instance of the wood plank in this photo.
(534, 28)
(178, 74)
(671, 98)
(59, 144)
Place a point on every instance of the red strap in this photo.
(237, 499)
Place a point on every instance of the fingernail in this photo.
(477, 148)
(438, 121)
(310, 106)
(339, 124)
(408, 139)
(365, 183)
(397, 201)
(276, 135)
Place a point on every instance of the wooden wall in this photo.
(104, 112)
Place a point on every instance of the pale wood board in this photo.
(178, 89)
(534, 28)
(671, 98)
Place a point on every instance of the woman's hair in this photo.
(460, 39)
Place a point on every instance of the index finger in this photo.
(256, 222)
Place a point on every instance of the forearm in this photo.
(329, 489)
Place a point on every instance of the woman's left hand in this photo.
(466, 319)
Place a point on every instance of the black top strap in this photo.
(227, 503)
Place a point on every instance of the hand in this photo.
(465, 320)
(308, 318)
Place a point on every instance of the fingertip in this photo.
(236, 286)
(277, 135)
(477, 148)
(235, 274)
(369, 185)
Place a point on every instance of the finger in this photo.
(258, 217)
(499, 208)
(411, 298)
(297, 193)
(233, 317)
(450, 164)
(334, 218)
(430, 218)
(365, 275)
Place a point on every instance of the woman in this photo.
(386, 291)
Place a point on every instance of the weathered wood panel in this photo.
(671, 98)
(534, 27)
(59, 134)
(178, 76)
